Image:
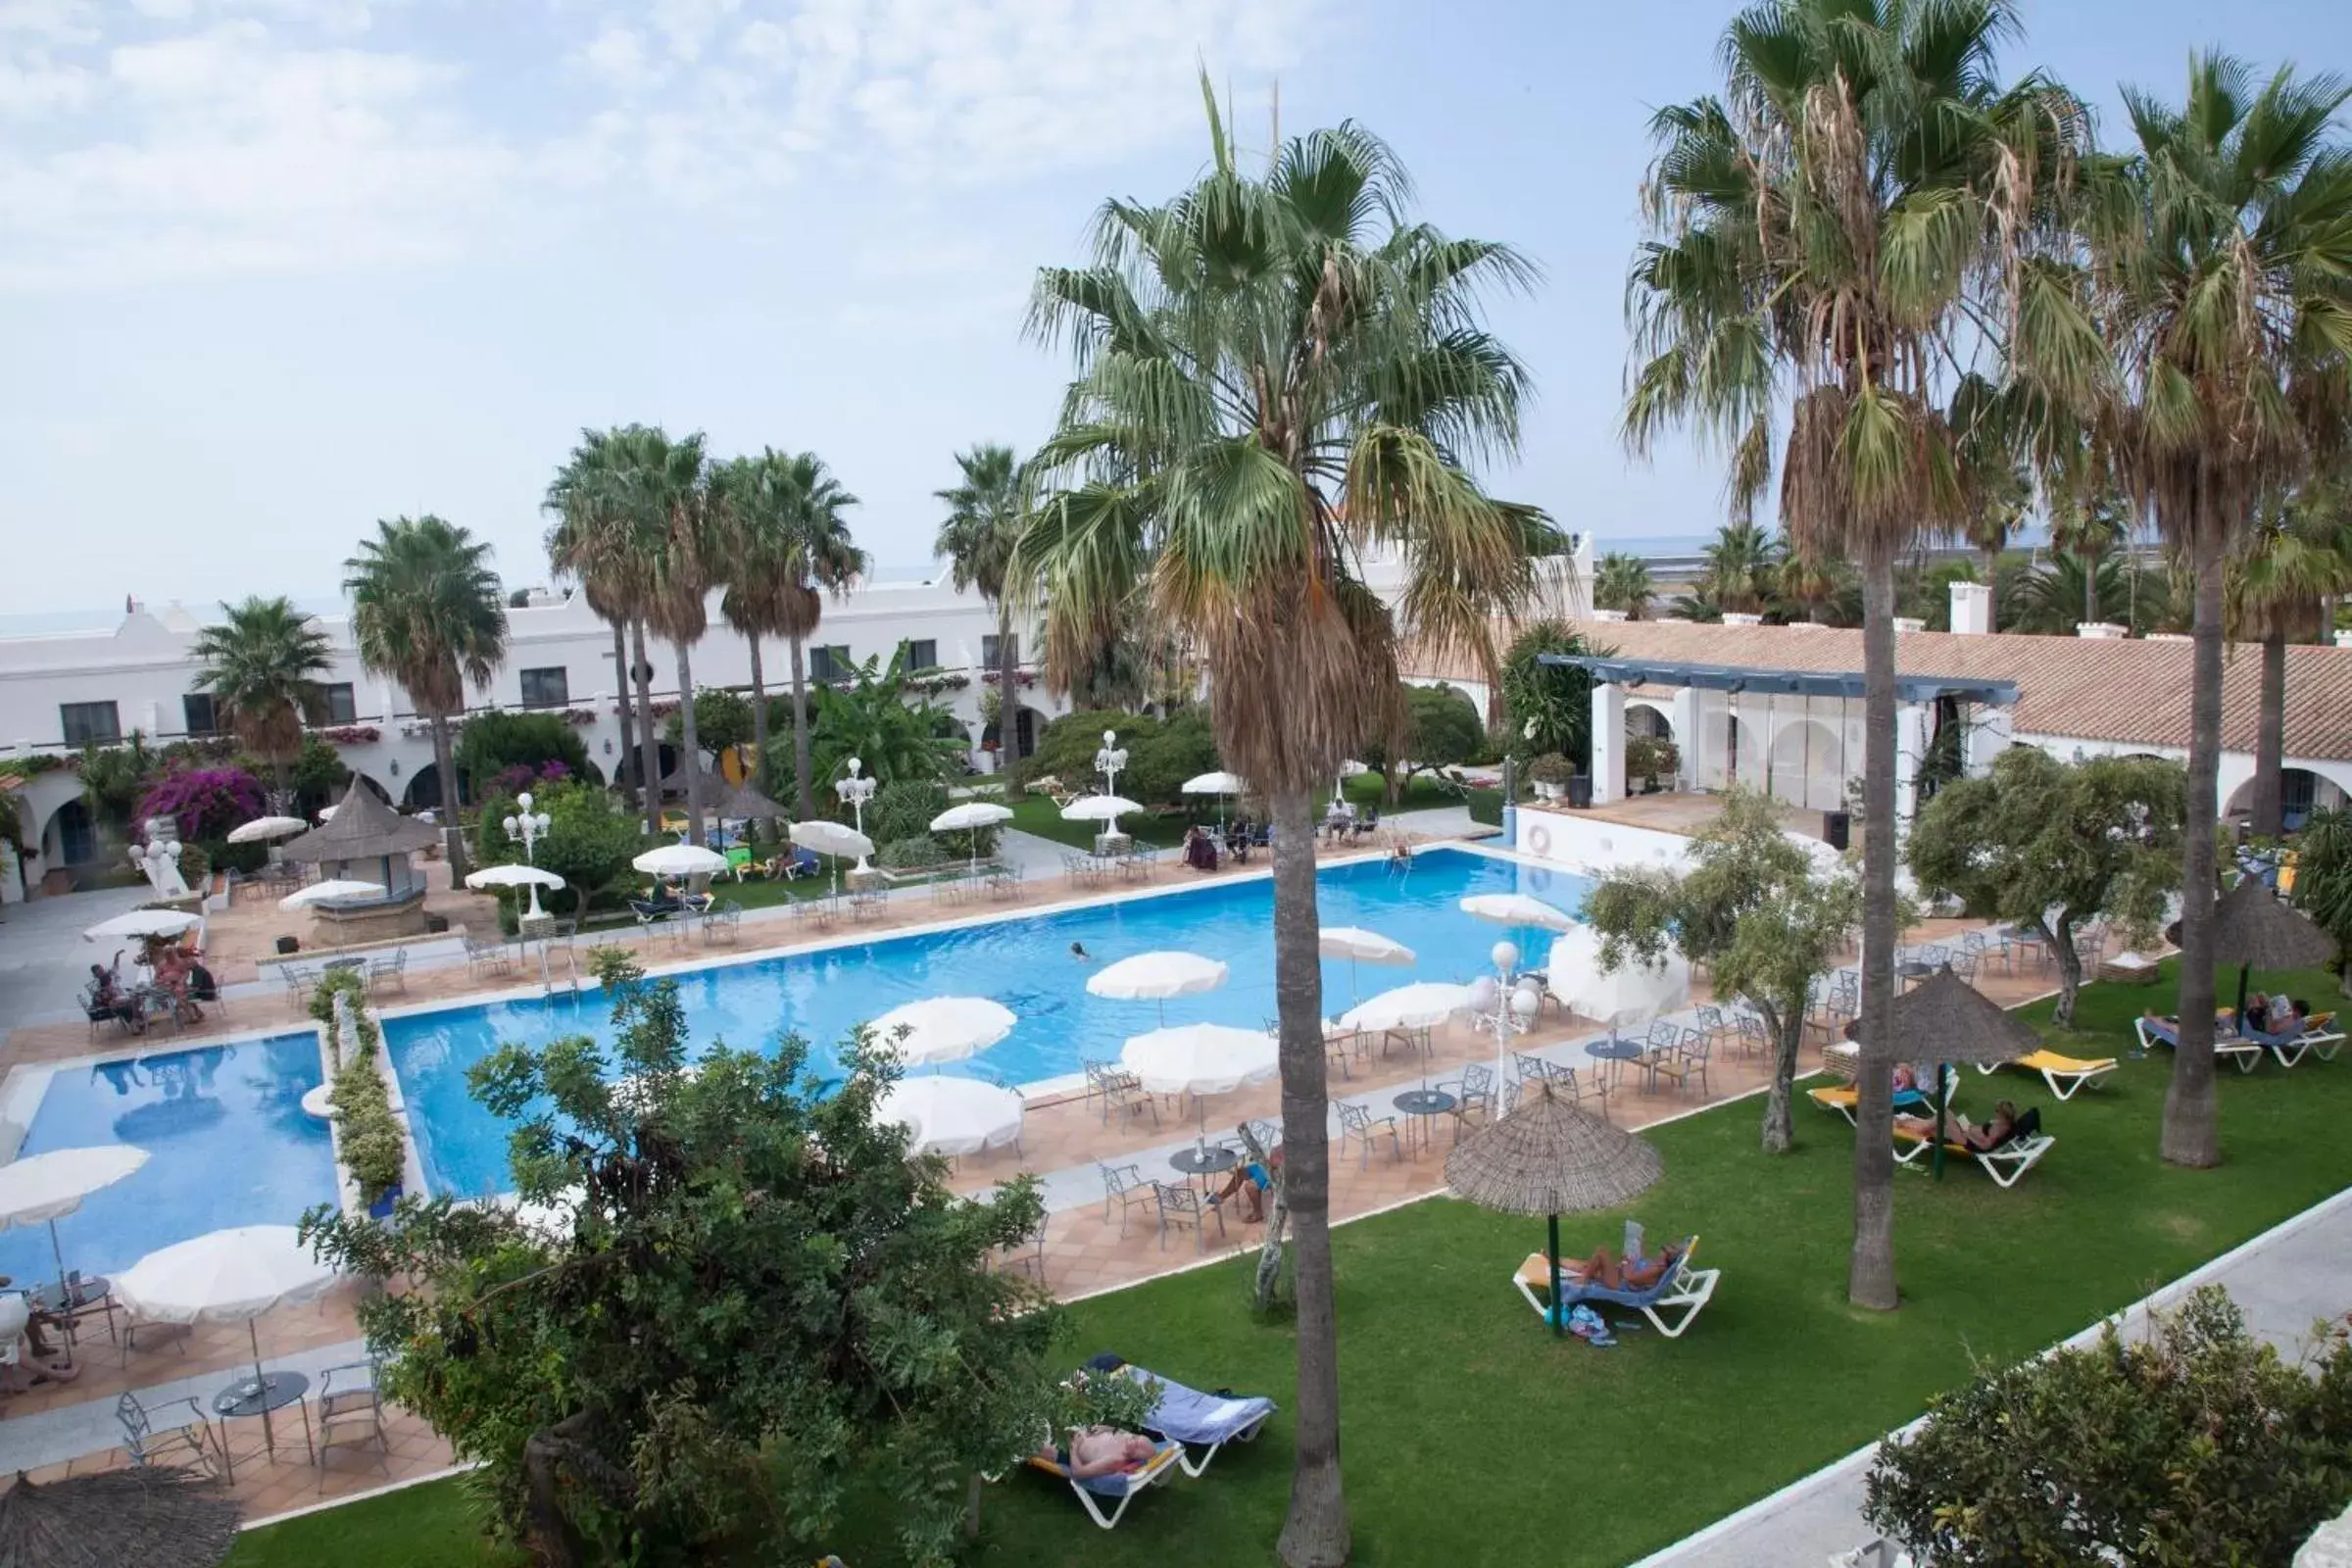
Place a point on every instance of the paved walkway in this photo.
(2284, 1279)
(44, 960)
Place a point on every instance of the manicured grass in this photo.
(1034, 814)
(1462, 1414)
(419, 1527)
(1424, 793)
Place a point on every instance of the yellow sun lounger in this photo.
(2064, 1074)
(1845, 1098)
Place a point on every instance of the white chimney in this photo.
(1741, 617)
(1904, 623)
(1972, 608)
(2103, 630)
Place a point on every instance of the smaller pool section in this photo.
(227, 1139)
(1027, 962)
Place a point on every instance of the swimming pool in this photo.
(1024, 963)
(228, 1141)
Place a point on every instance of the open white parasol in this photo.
(680, 859)
(1357, 944)
(332, 891)
(1215, 784)
(1518, 910)
(1156, 977)
(970, 817)
(263, 829)
(143, 923)
(1201, 1058)
(951, 1115)
(940, 1029)
(1099, 808)
(230, 1276)
(44, 1189)
(517, 877)
(1422, 1006)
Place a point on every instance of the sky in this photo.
(273, 270)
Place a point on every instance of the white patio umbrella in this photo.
(944, 1028)
(1156, 977)
(44, 1189)
(680, 859)
(1635, 994)
(970, 817)
(1218, 783)
(951, 1115)
(1355, 944)
(1518, 910)
(262, 829)
(835, 839)
(230, 1276)
(331, 891)
(1201, 1058)
(517, 877)
(1421, 1005)
(1107, 808)
(143, 923)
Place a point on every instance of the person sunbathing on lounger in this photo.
(1982, 1140)
(1100, 1452)
(1614, 1273)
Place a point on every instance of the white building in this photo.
(60, 692)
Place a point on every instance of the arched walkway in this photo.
(624, 771)
(2302, 790)
(69, 838)
(1805, 760)
(425, 789)
(1729, 753)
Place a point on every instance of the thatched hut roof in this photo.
(1550, 1157)
(363, 828)
(2253, 927)
(1945, 1019)
(156, 1517)
(743, 803)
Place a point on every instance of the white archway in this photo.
(1805, 765)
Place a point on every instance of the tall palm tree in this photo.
(1862, 186)
(2089, 530)
(1818, 588)
(1990, 472)
(2298, 558)
(661, 484)
(1742, 561)
(426, 609)
(2221, 248)
(983, 524)
(1277, 373)
(594, 542)
(1622, 582)
(261, 664)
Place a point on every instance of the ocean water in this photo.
(1024, 962)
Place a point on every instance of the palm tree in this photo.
(1741, 565)
(2049, 598)
(985, 514)
(2297, 560)
(1818, 588)
(1990, 472)
(1622, 582)
(661, 485)
(426, 609)
(2088, 530)
(756, 509)
(803, 546)
(261, 664)
(594, 542)
(1861, 187)
(2220, 250)
(1277, 373)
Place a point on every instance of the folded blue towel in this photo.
(1191, 1416)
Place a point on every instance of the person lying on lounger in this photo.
(1615, 1273)
(1100, 1452)
(1957, 1130)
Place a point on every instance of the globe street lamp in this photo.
(855, 791)
(1109, 759)
(1510, 1007)
(529, 828)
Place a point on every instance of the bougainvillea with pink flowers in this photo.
(206, 802)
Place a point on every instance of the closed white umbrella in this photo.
(1356, 945)
(950, 1115)
(143, 923)
(1156, 977)
(1422, 1006)
(44, 1189)
(1517, 908)
(680, 859)
(943, 1028)
(229, 1276)
(331, 891)
(262, 829)
(1635, 993)
(970, 817)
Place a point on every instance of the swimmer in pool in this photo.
(1078, 952)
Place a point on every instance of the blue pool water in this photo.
(1025, 964)
(227, 1143)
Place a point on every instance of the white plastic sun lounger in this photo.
(2006, 1164)
(1119, 1490)
(2247, 1053)
(1685, 1290)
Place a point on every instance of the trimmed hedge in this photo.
(375, 1152)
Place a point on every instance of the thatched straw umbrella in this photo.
(1944, 1020)
(1548, 1157)
(156, 1518)
(2256, 929)
(746, 803)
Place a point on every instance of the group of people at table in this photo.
(178, 977)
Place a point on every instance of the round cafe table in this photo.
(1419, 1106)
(1616, 1053)
(1204, 1161)
(243, 1399)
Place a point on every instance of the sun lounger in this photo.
(2006, 1163)
(1845, 1098)
(1119, 1490)
(2064, 1074)
(1191, 1418)
(2320, 1037)
(2247, 1053)
(1683, 1289)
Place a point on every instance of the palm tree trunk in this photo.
(2090, 590)
(2191, 1135)
(691, 762)
(649, 750)
(759, 773)
(1869, 1279)
(805, 802)
(2270, 740)
(1314, 1532)
(620, 674)
(1009, 701)
(453, 836)
(1992, 611)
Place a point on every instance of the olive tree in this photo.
(755, 1319)
(1758, 909)
(2051, 845)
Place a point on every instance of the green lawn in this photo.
(1034, 814)
(1462, 1413)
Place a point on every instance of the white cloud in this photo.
(169, 136)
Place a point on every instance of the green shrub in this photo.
(914, 854)
(1161, 756)
(495, 741)
(1551, 768)
(374, 1150)
(242, 858)
(903, 810)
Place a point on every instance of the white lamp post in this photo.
(1512, 1008)
(530, 827)
(855, 791)
(158, 859)
(1109, 759)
